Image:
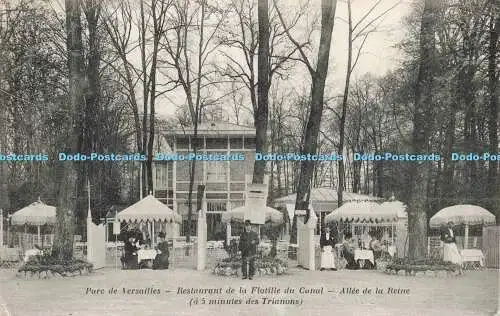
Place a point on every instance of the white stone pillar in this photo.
(311, 226)
(202, 237)
(89, 236)
(228, 233)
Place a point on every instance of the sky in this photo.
(378, 55)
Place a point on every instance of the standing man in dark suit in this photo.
(249, 240)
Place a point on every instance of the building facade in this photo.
(224, 180)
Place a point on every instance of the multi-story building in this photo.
(225, 181)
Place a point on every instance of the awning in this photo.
(364, 212)
(148, 209)
(462, 214)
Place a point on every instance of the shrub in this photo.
(428, 264)
(49, 263)
(263, 266)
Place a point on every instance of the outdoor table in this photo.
(472, 255)
(31, 253)
(363, 254)
(146, 254)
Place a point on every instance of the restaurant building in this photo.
(224, 180)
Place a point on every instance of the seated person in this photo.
(129, 259)
(348, 247)
(161, 260)
(37, 251)
(375, 246)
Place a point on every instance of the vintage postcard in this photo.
(249, 157)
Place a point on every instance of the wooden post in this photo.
(153, 237)
(466, 237)
(39, 236)
(1, 227)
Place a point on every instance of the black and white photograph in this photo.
(249, 157)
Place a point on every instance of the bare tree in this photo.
(493, 182)
(356, 31)
(192, 76)
(267, 40)
(261, 116)
(151, 26)
(318, 76)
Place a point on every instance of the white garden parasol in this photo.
(364, 212)
(465, 214)
(149, 211)
(36, 214)
(462, 214)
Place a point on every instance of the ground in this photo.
(475, 293)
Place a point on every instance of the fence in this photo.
(491, 246)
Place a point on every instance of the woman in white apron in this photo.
(450, 249)
(327, 244)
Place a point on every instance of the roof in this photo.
(216, 128)
(463, 214)
(148, 209)
(327, 195)
(36, 214)
(366, 212)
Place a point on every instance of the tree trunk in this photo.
(261, 117)
(493, 182)
(447, 184)
(418, 202)
(310, 142)
(66, 176)
(466, 95)
(340, 188)
(145, 94)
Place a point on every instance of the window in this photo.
(216, 171)
(161, 175)
(236, 143)
(216, 143)
(182, 142)
(249, 143)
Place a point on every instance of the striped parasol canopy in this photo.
(149, 209)
(365, 212)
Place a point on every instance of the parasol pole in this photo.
(153, 237)
(39, 236)
(466, 237)
(392, 234)
(140, 182)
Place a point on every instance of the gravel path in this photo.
(476, 293)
